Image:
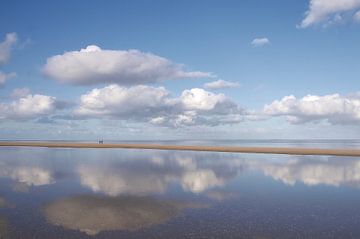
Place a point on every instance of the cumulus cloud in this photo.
(199, 99)
(6, 47)
(259, 42)
(200, 107)
(357, 16)
(5, 53)
(221, 84)
(327, 11)
(4, 77)
(155, 105)
(117, 101)
(30, 106)
(94, 65)
(335, 108)
(20, 92)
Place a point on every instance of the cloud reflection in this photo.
(3, 228)
(146, 176)
(3, 202)
(3, 221)
(220, 196)
(20, 187)
(93, 214)
(198, 173)
(334, 171)
(140, 173)
(29, 174)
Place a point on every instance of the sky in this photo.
(158, 70)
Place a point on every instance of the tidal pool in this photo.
(119, 193)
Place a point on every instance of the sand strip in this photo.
(262, 150)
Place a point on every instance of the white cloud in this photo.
(221, 84)
(328, 11)
(118, 101)
(155, 105)
(4, 77)
(30, 106)
(259, 42)
(357, 16)
(199, 99)
(5, 53)
(6, 47)
(336, 109)
(20, 93)
(94, 65)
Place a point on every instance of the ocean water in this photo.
(121, 193)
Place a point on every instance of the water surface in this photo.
(120, 193)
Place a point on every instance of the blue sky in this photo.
(304, 47)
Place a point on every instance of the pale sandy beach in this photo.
(262, 150)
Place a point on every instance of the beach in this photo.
(228, 149)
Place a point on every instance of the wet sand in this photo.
(261, 150)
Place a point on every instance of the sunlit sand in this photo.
(262, 150)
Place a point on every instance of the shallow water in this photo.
(120, 193)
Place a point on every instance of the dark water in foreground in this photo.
(119, 193)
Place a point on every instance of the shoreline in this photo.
(224, 149)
